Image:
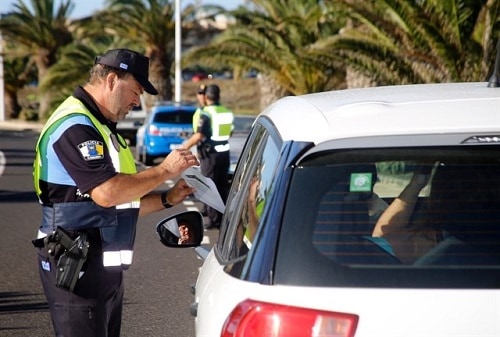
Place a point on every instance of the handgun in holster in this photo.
(69, 253)
(72, 259)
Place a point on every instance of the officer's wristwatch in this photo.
(164, 200)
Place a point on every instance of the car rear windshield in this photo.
(177, 117)
(401, 217)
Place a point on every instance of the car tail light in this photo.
(154, 131)
(251, 318)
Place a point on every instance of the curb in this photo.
(17, 125)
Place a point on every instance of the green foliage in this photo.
(18, 70)
(149, 25)
(298, 46)
(73, 68)
(276, 38)
(39, 28)
(414, 41)
(38, 31)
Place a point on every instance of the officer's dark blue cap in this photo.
(129, 61)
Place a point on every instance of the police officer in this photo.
(200, 97)
(213, 129)
(88, 187)
(202, 102)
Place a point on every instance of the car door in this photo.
(221, 275)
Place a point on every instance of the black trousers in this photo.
(216, 167)
(93, 309)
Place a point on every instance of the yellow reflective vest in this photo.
(221, 122)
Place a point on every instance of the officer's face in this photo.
(201, 99)
(124, 96)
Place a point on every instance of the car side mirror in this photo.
(181, 230)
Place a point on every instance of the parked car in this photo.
(242, 125)
(166, 127)
(128, 126)
(311, 243)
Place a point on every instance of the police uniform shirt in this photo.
(205, 127)
(79, 172)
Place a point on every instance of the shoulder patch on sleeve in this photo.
(91, 149)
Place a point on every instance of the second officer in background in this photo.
(212, 132)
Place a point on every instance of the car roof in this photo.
(388, 110)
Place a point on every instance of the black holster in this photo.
(205, 150)
(69, 253)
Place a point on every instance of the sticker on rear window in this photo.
(361, 182)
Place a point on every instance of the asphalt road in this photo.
(157, 286)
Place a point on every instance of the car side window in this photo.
(253, 188)
(236, 189)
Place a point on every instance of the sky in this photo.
(86, 7)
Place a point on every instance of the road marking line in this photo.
(3, 162)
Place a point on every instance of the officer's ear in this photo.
(111, 80)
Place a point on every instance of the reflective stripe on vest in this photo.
(221, 121)
(118, 259)
(118, 238)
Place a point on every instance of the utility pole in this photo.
(178, 71)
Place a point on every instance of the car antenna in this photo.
(495, 77)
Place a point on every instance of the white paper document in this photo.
(206, 191)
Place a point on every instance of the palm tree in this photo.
(18, 71)
(150, 25)
(39, 31)
(73, 66)
(275, 38)
(414, 41)
(90, 38)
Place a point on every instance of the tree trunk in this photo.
(159, 75)
(355, 79)
(269, 91)
(43, 59)
(43, 110)
(12, 106)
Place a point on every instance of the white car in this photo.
(362, 212)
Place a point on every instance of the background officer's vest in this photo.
(221, 121)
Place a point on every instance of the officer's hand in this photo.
(179, 192)
(179, 160)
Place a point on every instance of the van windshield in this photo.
(417, 217)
